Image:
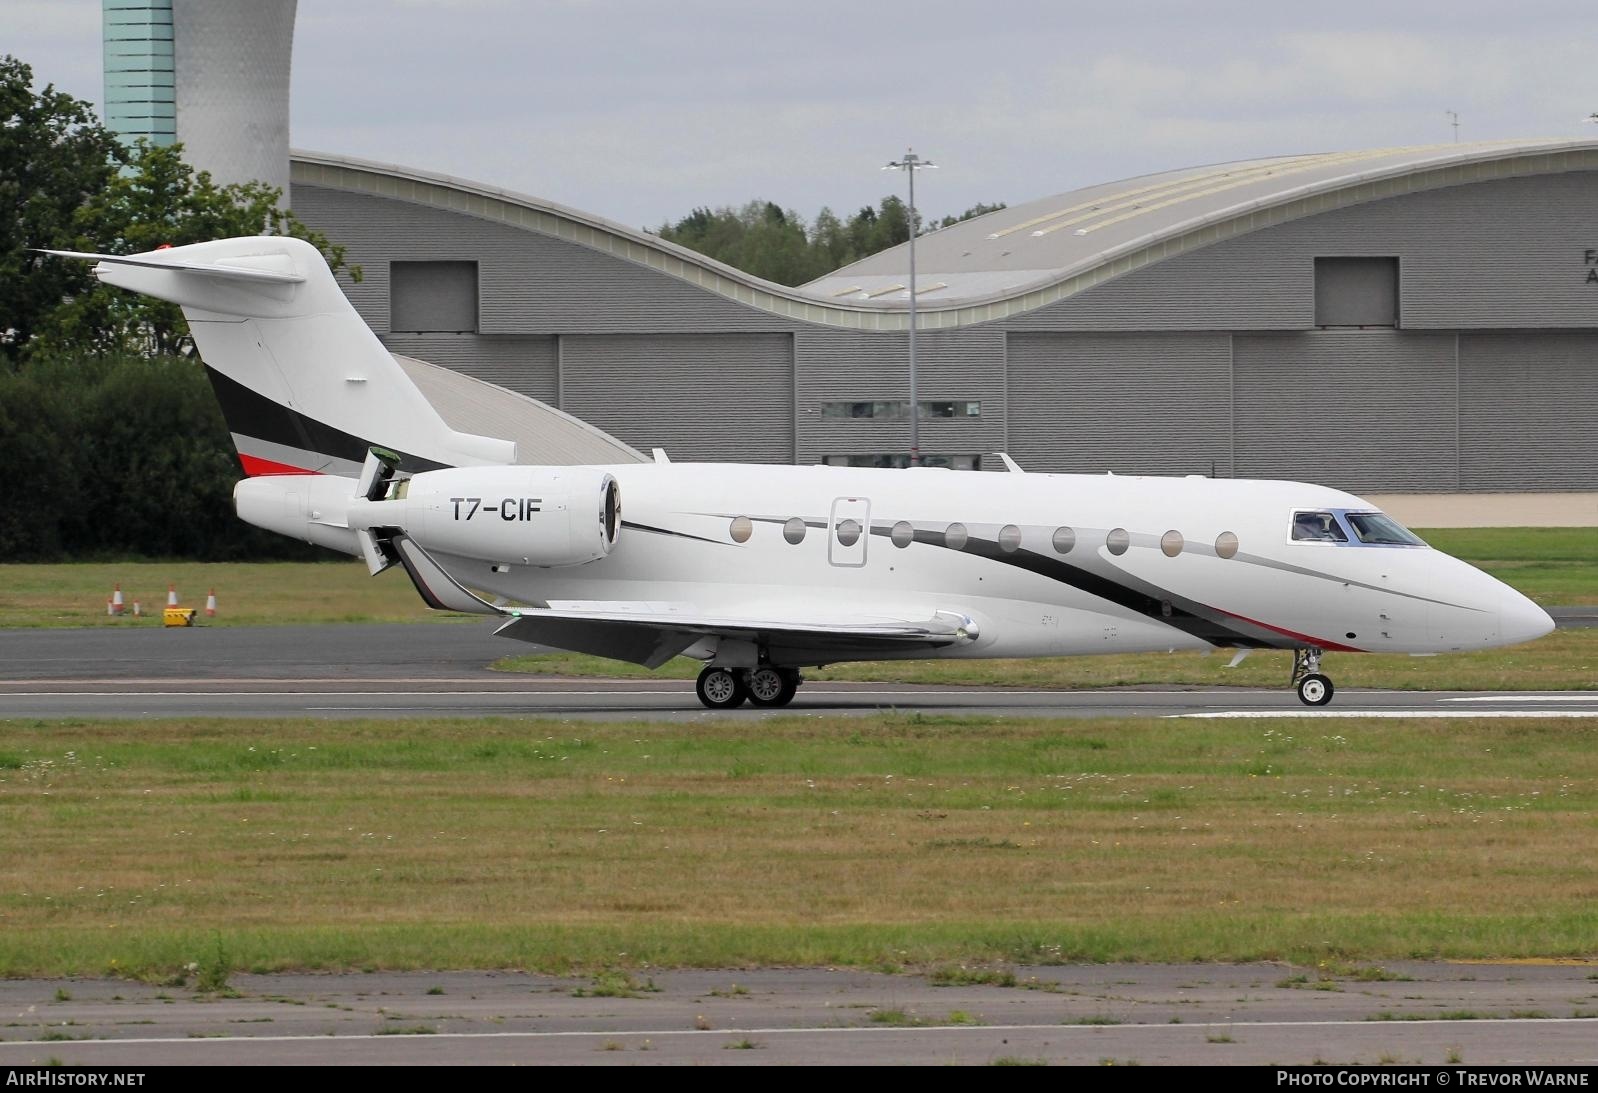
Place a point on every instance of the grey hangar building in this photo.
(1398, 320)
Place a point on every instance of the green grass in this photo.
(1554, 566)
(868, 841)
(248, 593)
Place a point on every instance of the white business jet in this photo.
(759, 571)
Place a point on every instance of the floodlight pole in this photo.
(909, 164)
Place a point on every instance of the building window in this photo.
(880, 411)
(951, 409)
(899, 409)
(432, 297)
(1356, 292)
(955, 462)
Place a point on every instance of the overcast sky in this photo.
(640, 110)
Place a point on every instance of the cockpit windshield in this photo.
(1379, 529)
(1317, 527)
(1350, 528)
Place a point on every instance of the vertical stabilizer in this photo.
(305, 385)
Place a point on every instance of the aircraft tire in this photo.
(1315, 690)
(770, 686)
(720, 689)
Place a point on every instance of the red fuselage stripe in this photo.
(255, 466)
(1319, 643)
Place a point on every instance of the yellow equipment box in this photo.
(178, 616)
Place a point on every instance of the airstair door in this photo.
(848, 531)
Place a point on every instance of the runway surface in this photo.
(441, 670)
(1233, 1014)
(1257, 1014)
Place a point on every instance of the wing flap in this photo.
(653, 637)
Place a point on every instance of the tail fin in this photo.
(305, 385)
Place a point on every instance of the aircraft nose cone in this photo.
(1519, 619)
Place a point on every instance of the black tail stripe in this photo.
(250, 413)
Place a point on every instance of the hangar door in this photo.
(1354, 409)
(714, 397)
(1528, 411)
(1132, 404)
(521, 363)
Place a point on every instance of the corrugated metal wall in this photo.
(1133, 376)
(524, 365)
(1528, 411)
(845, 366)
(1507, 253)
(1355, 409)
(528, 283)
(701, 397)
(1128, 403)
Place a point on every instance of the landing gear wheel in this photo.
(1315, 690)
(770, 686)
(720, 688)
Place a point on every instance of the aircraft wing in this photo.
(652, 637)
(651, 634)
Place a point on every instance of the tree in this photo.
(979, 209)
(54, 158)
(161, 200)
(67, 184)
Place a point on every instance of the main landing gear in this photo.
(1313, 688)
(727, 688)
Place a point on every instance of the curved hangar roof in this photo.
(1015, 259)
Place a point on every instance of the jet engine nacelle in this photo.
(541, 516)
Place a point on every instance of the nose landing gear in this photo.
(1313, 688)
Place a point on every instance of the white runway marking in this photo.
(830, 1030)
(1417, 712)
(1574, 696)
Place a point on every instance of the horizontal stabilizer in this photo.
(261, 271)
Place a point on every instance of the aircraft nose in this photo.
(1519, 619)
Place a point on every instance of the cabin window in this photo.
(1064, 540)
(794, 530)
(955, 537)
(1009, 538)
(742, 527)
(848, 532)
(1117, 541)
(1171, 543)
(1317, 527)
(1226, 545)
(902, 534)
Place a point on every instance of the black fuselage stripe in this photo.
(250, 413)
(674, 534)
(1161, 610)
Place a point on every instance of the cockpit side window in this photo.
(1379, 529)
(1317, 527)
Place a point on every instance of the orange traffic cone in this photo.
(210, 604)
(114, 604)
(171, 595)
(138, 612)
